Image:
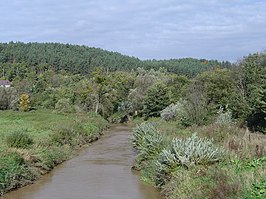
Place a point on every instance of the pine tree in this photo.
(157, 99)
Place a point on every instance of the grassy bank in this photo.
(33, 143)
(215, 162)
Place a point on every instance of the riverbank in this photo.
(216, 162)
(33, 143)
(102, 170)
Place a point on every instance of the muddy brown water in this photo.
(101, 171)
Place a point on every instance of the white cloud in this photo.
(212, 29)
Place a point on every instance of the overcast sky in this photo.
(147, 29)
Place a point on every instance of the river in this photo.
(101, 171)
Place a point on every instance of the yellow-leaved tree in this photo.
(24, 102)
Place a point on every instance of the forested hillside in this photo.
(17, 58)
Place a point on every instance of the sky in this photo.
(147, 29)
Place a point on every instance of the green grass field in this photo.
(32, 143)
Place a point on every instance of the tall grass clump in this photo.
(49, 157)
(75, 133)
(18, 139)
(14, 172)
(65, 134)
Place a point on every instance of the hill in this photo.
(18, 57)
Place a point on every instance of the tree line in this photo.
(127, 86)
(16, 58)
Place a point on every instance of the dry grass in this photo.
(239, 142)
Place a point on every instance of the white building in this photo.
(5, 83)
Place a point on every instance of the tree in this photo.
(24, 102)
(157, 98)
(104, 94)
(254, 71)
(143, 81)
(176, 85)
(3, 99)
(196, 106)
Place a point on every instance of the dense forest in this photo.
(18, 58)
(219, 100)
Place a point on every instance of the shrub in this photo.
(18, 139)
(125, 107)
(148, 142)
(8, 98)
(151, 146)
(140, 132)
(118, 117)
(186, 153)
(224, 117)
(172, 111)
(166, 164)
(64, 106)
(74, 133)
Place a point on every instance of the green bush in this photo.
(18, 139)
(64, 106)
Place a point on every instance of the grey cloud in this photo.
(163, 29)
